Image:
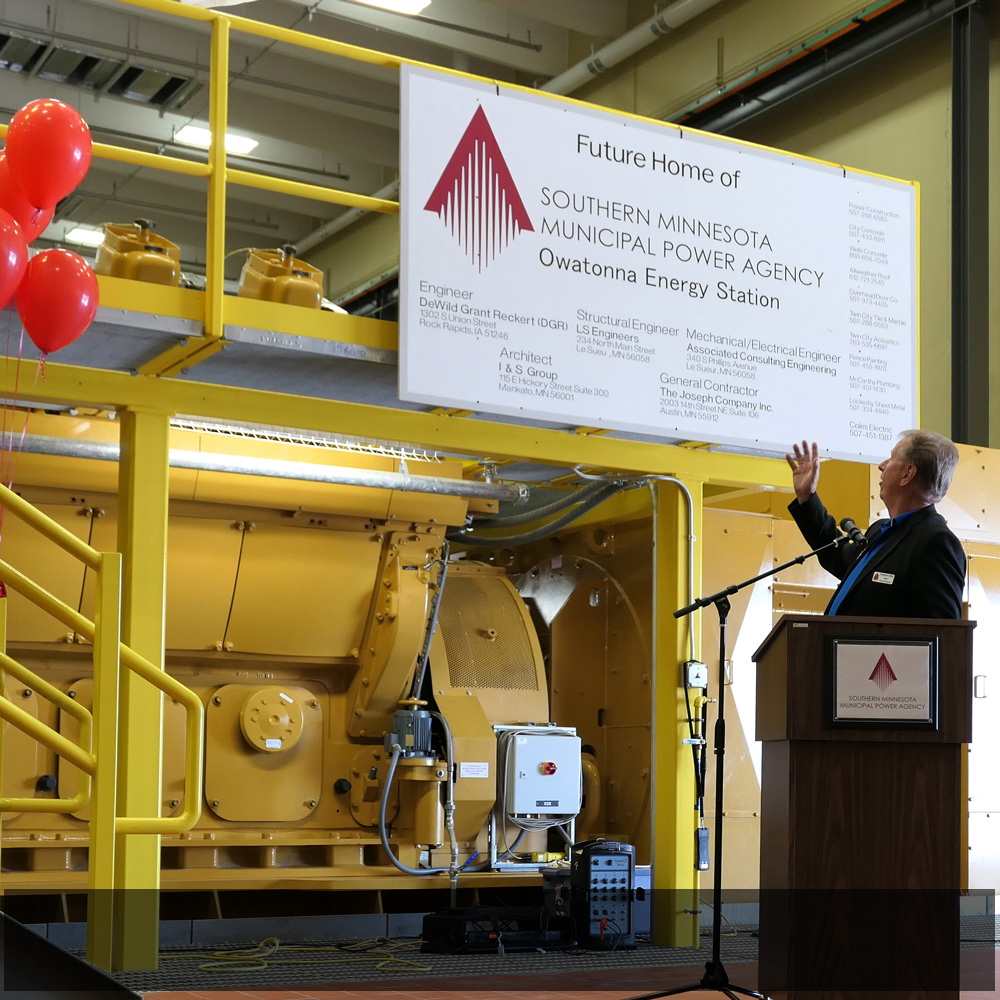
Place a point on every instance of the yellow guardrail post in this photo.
(101, 881)
(675, 878)
(215, 258)
(143, 474)
(3, 695)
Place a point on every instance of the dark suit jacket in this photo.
(922, 559)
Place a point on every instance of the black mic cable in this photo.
(853, 532)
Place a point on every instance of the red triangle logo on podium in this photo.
(883, 674)
(476, 197)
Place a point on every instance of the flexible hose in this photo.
(546, 529)
(397, 751)
(449, 809)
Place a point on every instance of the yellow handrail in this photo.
(194, 723)
(247, 178)
(47, 736)
(82, 758)
(137, 158)
(50, 529)
(278, 34)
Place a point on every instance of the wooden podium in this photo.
(861, 805)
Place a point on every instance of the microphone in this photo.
(853, 532)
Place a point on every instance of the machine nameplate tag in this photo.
(474, 769)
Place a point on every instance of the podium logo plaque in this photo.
(888, 682)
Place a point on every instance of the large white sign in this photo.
(566, 264)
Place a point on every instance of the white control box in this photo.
(543, 774)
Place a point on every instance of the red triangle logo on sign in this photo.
(476, 197)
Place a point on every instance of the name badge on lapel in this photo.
(883, 577)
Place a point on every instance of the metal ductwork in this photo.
(633, 41)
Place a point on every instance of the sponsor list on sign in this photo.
(666, 284)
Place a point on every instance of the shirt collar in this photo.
(892, 522)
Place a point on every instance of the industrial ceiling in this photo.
(139, 75)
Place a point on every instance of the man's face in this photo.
(896, 474)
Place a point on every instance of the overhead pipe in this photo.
(671, 17)
(895, 28)
(105, 451)
(612, 54)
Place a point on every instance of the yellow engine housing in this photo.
(134, 251)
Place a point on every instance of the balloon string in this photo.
(10, 405)
(6, 403)
(40, 371)
(11, 465)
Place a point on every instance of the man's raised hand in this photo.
(805, 470)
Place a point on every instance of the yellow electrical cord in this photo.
(378, 950)
(707, 933)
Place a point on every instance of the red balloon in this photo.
(57, 298)
(31, 219)
(13, 257)
(48, 150)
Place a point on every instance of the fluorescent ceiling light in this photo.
(399, 6)
(195, 136)
(86, 237)
(215, 3)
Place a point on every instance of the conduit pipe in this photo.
(37, 444)
(885, 36)
(526, 538)
(671, 17)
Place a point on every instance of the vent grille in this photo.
(485, 636)
(97, 73)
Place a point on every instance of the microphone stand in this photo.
(715, 977)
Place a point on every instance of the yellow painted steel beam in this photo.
(466, 436)
(316, 324)
(142, 539)
(185, 303)
(148, 298)
(281, 185)
(182, 356)
(101, 852)
(675, 878)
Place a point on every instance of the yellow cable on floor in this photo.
(260, 957)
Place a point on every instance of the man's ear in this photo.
(908, 476)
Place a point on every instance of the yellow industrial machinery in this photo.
(357, 684)
(279, 276)
(135, 251)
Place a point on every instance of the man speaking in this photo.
(909, 565)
